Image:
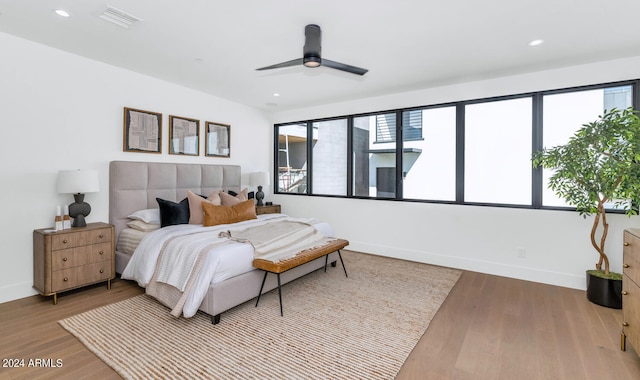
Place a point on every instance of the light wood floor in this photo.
(488, 328)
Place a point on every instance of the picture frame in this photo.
(184, 136)
(142, 131)
(218, 140)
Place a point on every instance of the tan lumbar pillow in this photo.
(215, 215)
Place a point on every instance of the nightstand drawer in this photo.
(78, 237)
(73, 257)
(79, 276)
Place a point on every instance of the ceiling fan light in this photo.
(312, 61)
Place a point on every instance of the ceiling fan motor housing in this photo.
(311, 53)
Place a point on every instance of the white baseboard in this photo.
(567, 280)
(16, 291)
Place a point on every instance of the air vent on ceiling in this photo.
(118, 17)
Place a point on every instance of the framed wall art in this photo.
(142, 131)
(184, 136)
(218, 142)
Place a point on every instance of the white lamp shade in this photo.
(78, 181)
(259, 179)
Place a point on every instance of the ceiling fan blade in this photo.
(294, 62)
(343, 67)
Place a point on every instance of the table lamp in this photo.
(259, 179)
(78, 182)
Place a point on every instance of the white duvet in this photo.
(222, 262)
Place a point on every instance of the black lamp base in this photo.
(259, 196)
(79, 210)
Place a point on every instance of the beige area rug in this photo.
(361, 327)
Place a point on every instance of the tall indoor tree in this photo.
(599, 164)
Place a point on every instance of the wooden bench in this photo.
(301, 258)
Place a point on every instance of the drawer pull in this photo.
(65, 279)
(65, 241)
(626, 265)
(624, 292)
(626, 244)
(101, 252)
(64, 259)
(101, 236)
(101, 270)
(625, 324)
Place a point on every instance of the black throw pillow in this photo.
(172, 213)
(250, 194)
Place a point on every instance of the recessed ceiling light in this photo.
(536, 42)
(276, 94)
(62, 12)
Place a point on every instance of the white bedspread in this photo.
(221, 262)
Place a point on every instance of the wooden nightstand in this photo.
(69, 259)
(271, 209)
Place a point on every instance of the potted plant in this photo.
(599, 165)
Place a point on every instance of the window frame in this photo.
(537, 132)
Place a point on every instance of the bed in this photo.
(134, 186)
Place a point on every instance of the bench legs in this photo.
(279, 290)
(262, 287)
(280, 295)
(326, 261)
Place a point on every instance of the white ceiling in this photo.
(215, 46)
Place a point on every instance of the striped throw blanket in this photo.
(280, 240)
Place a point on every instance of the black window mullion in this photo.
(635, 101)
(309, 157)
(460, 114)
(536, 145)
(276, 162)
(350, 156)
(399, 150)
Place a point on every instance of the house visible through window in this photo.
(411, 126)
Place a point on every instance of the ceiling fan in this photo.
(312, 57)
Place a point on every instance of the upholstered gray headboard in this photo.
(135, 186)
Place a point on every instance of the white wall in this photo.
(555, 244)
(61, 111)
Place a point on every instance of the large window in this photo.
(374, 163)
(330, 157)
(468, 152)
(565, 113)
(497, 164)
(292, 158)
(429, 164)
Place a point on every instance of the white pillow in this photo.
(150, 215)
(142, 226)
